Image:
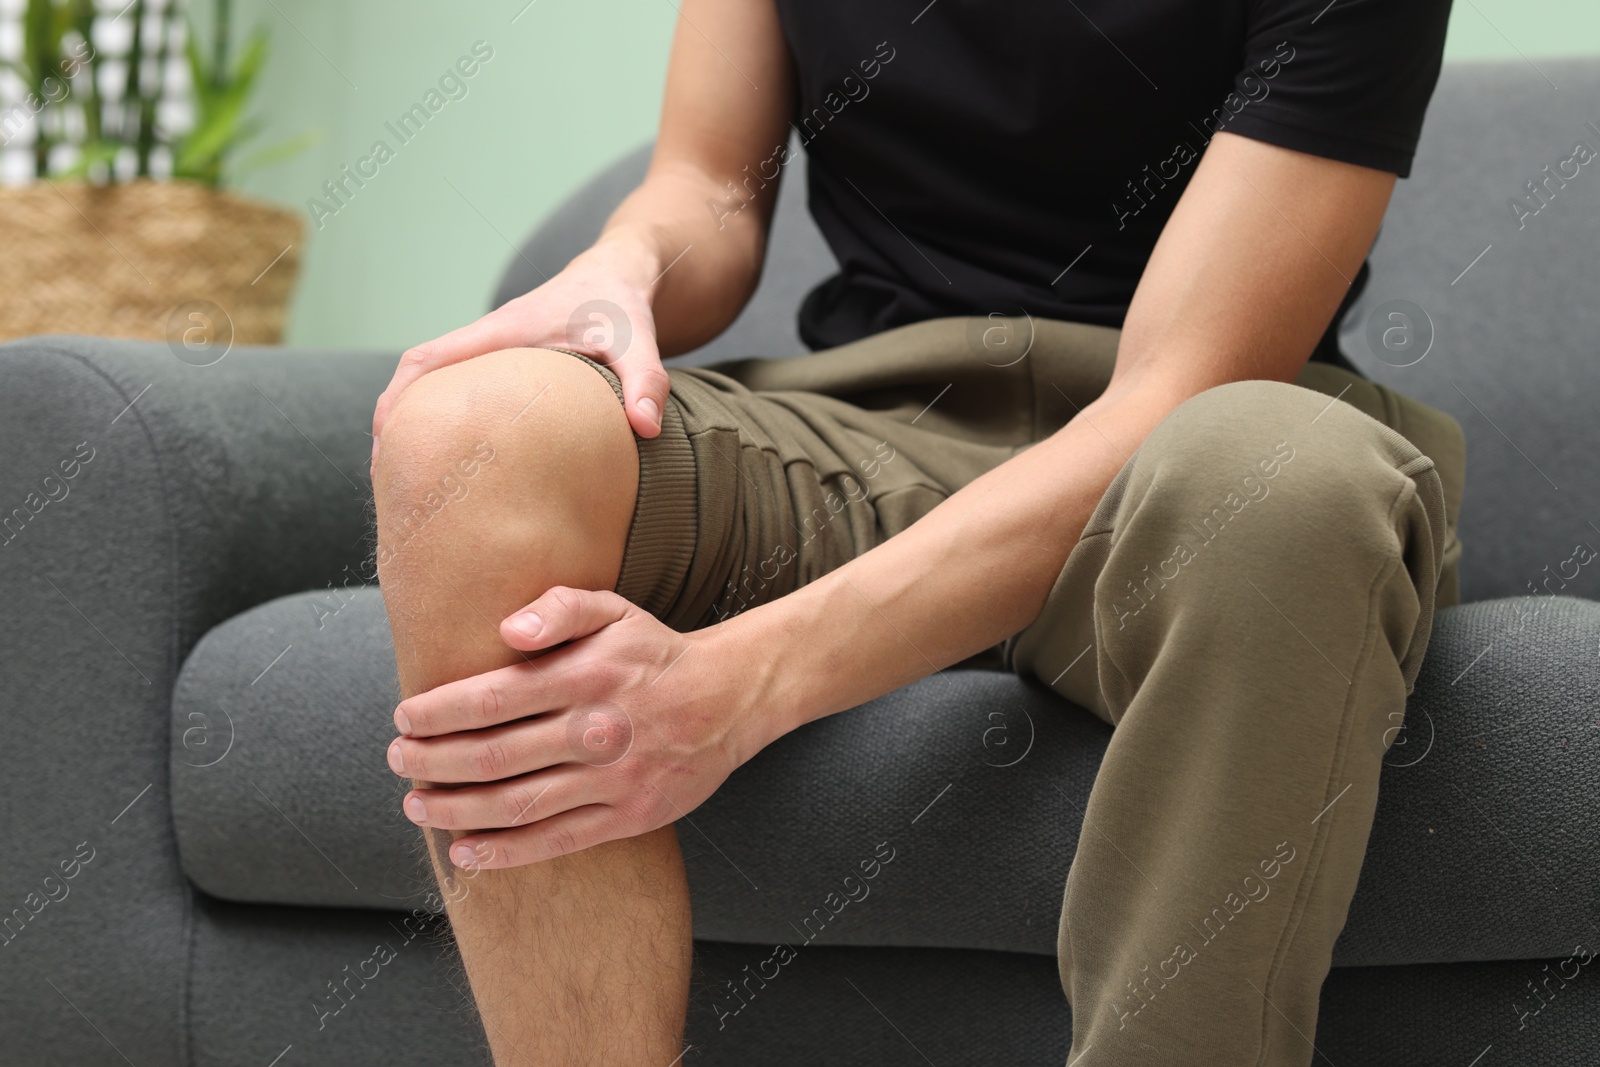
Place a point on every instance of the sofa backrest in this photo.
(1484, 301)
(1512, 294)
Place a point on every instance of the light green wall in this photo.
(571, 85)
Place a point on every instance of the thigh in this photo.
(768, 474)
(1064, 646)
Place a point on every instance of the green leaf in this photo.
(250, 63)
(44, 24)
(211, 137)
(199, 77)
(275, 154)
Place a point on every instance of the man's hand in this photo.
(597, 306)
(626, 727)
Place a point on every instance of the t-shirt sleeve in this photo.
(1347, 80)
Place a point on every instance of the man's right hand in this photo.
(590, 307)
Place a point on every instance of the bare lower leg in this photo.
(584, 958)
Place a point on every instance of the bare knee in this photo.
(517, 466)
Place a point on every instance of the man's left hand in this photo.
(626, 726)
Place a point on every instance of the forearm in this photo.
(693, 235)
(697, 266)
(972, 572)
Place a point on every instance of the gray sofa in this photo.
(203, 848)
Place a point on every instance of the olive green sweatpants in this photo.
(1248, 607)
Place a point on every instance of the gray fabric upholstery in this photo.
(313, 986)
(215, 490)
(201, 500)
(1517, 338)
(1483, 753)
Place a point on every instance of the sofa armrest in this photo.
(142, 501)
(250, 475)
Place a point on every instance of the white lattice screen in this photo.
(112, 38)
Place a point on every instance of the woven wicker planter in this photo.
(119, 260)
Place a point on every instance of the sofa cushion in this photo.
(976, 780)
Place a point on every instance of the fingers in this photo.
(488, 334)
(491, 699)
(493, 805)
(483, 755)
(523, 689)
(559, 835)
(644, 391)
(563, 614)
(623, 340)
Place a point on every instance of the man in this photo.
(1085, 249)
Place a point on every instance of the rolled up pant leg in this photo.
(1249, 607)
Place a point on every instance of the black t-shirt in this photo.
(984, 156)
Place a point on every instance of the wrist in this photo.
(756, 689)
(630, 254)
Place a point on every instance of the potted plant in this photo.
(126, 219)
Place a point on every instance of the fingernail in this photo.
(397, 759)
(415, 811)
(463, 856)
(527, 624)
(401, 723)
(650, 408)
